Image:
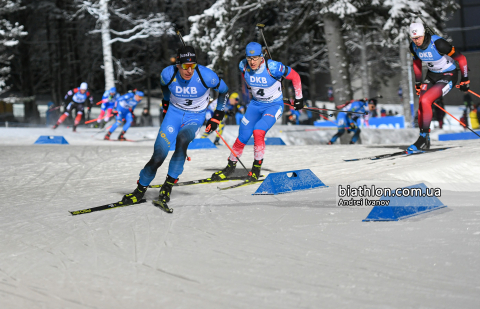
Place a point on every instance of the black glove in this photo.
(298, 104)
(165, 105)
(464, 84)
(212, 123)
(418, 87)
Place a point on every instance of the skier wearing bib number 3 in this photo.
(263, 78)
(442, 75)
(186, 94)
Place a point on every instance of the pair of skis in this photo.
(403, 153)
(163, 204)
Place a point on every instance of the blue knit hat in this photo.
(253, 49)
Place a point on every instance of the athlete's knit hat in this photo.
(83, 86)
(253, 49)
(416, 30)
(139, 93)
(113, 90)
(186, 54)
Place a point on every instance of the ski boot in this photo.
(55, 126)
(423, 142)
(136, 196)
(96, 125)
(255, 172)
(164, 195)
(121, 137)
(227, 171)
(74, 128)
(217, 142)
(107, 136)
(329, 143)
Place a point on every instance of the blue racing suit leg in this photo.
(117, 123)
(129, 120)
(259, 116)
(192, 122)
(166, 135)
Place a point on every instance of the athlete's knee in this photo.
(183, 139)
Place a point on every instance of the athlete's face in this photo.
(138, 98)
(82, 91)
(419, 40)
(186, 70)
(254, 62)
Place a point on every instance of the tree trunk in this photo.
(364, 68)
(107, 48)
(53, 85)
(311, 82)
(405, 82)
(339, 64)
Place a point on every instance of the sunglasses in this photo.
(185, 66)
(254, 58)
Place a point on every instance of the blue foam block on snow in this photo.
(198, 143)
(457, 136)
(403, 207)
(269, 141)
(285, 182)
(50, 139)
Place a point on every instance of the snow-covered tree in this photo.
(141, 27)
(9, 34)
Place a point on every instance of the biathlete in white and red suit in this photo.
(442, 76)
(263, 78)
(76, 99)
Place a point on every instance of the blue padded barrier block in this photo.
(50, 139)
(269, 141)
(457, 136)
(285, 182)
(198, 143)
(403, 207)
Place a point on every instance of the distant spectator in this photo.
(330, 94)
(400, 93)
(383, 112)
(372, 108)
(146, 119)
(390, 113)
(474, 117)
(467, 101)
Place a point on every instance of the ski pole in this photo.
(464, 125)
(218, 134)
(316, 109)
(379, 96)
(261, 26)
(478, 95)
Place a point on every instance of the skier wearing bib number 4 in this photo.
(186, 94)
(263, 78)
(442, 75)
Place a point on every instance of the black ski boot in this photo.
(255, 172)
(423, 142)
(74, 128)
(136, 196)
(121, 137)
(227, 171)
(166, 189)
(164, 195)
(107, 136)
(55, 126)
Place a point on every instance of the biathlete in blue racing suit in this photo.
(263, 78)
(125, 106)
(186, 94)
(348, 121)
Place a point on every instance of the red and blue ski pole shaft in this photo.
(218, 134)
(464, 125)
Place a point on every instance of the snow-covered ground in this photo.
(231, 249)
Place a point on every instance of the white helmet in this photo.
(416, 30)
(83, 86)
